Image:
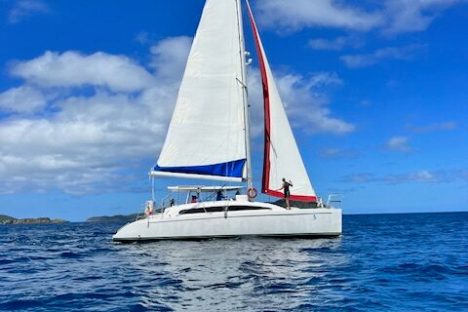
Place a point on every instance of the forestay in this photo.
(281, 154)
(206, 136)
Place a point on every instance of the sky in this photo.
(376, 93)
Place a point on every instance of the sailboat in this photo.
(209, 138)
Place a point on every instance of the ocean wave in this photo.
(381, 263)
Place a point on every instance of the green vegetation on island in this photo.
(4, 219)
(114, 219)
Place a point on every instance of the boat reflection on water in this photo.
(230, 274)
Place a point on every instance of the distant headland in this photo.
(43, 220)
(114, 219)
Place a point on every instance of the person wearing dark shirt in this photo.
(219, 195)
(287, 192)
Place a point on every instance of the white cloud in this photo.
(335, 153)
(305, 102)
(307, 107)
(323, 79)
(399, 144)
(364, 60)
(25, 8)
(24, 99)
(419, 176)
(413, 16)
(173, 62)
(359, 178)
(389, 16)
(72, 69)
(335, 44)
(84, 142)
(294, 15)
(423, 176)
(88, 142)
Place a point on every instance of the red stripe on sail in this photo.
(266, 105)
(302, 198)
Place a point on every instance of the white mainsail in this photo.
(206, 136)
(281, 154)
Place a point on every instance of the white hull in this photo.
(263, 220)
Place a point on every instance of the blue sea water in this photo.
(401, 262)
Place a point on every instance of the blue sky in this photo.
(375, 91)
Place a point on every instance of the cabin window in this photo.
(220, 209)
(242, 208)
(202, 210)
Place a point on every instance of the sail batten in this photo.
(207, 128)
(281, 154)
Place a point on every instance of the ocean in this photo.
(397, 262)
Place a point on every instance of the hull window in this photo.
(220, 209)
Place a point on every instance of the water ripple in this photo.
(381, 263)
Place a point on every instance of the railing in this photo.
(141, 215)
(169, 201)
(164, 203)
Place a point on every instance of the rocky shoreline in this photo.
(43, 220)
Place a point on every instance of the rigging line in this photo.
(272, 145)
(244, 86)
(241, 83)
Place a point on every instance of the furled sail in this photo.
(206, 136)
(281, 155)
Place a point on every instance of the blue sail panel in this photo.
(228, 169)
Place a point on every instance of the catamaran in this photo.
(209, 138)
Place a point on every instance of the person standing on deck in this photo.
(287, 193)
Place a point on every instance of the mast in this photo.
(243, 83)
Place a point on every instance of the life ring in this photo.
(252, 192)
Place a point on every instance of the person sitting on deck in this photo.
(194, 199)
(220, 195)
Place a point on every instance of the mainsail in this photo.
(207, 135)
(281, 155)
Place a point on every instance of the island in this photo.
(4, 219)
(114, 219)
